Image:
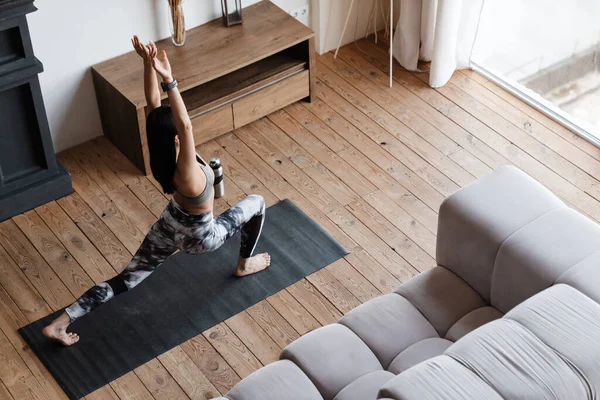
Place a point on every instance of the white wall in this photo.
(69, 36)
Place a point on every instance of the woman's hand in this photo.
(146, 52)
(162, 66)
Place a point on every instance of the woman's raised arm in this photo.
(151, 89)
(186, 162)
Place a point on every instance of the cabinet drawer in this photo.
(271, 98)
(212, 124)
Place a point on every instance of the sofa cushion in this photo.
(474, 222)
(584, 276)
(366, 387)
(517, 364)
(531, 259)
(388, 324)
(332, 357)
(418, 352)
(440, 378)
(441, 296)
(568, 322)
(276, 381)
(472, 321)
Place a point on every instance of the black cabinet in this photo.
(29, 173)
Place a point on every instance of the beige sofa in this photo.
(511, 311)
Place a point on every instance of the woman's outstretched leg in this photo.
(157, 246)
(248, 217)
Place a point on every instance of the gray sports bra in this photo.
(210, 180)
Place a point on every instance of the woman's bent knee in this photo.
(258, 200)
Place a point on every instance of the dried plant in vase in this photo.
(177, 22)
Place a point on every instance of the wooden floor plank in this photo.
(254, 337)
(159, 381)
(293, 122)
(372, 165)
(210, 363)
(104, 393)
(232, 350)
(96, 230)
(373, 245)
(392, 235)
(353, 280)
(520, 120)
(188, 375)
(104, 207)
(384, 109)
(15, 375)
(140, 185)
(319, 307)
(130, 205)
(293, 312)
(11, 319)
(430, 130)
(34, 267)
(75, 242)
(129, 386)
(53, 251)
(333, 290)
(561, 185)
(95, 166)
(372, 270)
(378, 57)
(379, 146)
(286, 169)
(273, 323)
(4, 393)
(543, 119)
(322, 176)
(510, 151)
(403, 221)
(20, 289)
(480, 109)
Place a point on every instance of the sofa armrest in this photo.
(477, 219)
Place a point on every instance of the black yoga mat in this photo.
(184, 297)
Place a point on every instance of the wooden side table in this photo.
(228, 77)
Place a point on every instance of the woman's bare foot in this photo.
(57, 330)
(252, 265)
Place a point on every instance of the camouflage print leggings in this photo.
(178, 230)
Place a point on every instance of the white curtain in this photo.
(440, 31)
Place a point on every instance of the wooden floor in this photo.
(369, 163)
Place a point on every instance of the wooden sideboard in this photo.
(228, 77)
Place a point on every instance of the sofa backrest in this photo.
(545, 348)
(509, 237)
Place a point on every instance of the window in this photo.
(549, 53)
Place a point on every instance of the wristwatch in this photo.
(168, 86)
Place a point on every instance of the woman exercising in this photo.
(187, 223)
